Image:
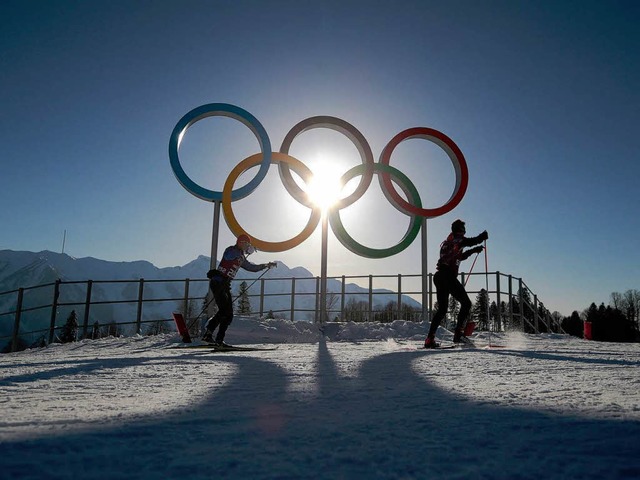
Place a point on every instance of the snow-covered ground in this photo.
(363, 404)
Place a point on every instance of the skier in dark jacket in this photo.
(446, 279)
(234, 258)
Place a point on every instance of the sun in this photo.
(324, 188)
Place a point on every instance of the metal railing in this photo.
(124, 306)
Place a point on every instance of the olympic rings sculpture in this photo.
(387, 175)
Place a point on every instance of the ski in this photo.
(449, 346)
(439, 347)
(232, 348)
(229, 348)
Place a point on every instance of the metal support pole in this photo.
(498, 312)
(426, 297)
(261, 297)
(370, 298)
(87, 306)
(536, 320)
(16, 323)
(213, 263)
(214, 234)
(54, 311)
(323, 268)
(399, 296)
(342, 298)
(316, 315)
(139, 314)
(430, 295)
(521, 300)
(186, 310)
(511, 301)
(293, 296)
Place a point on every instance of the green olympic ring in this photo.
(414, 227)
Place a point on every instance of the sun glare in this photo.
(324, 187)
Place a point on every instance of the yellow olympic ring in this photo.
(301, 169)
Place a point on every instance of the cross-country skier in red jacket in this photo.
(446, 279)
(234, 258)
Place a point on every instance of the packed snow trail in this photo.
(545, 407)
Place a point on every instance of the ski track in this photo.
(546, 406)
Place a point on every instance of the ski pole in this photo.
(471, 269)
(262, 275)
(204, 309)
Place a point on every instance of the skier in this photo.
(446, 279)
(234, 258)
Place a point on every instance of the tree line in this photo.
(617, 322)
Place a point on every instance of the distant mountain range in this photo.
(21, 269)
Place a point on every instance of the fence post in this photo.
(535, 314)
(293, 296)
(185, 313)
(54, 310)
(521, 300)
(16, 323)
(498, 312)
(370, 298)
(261, 297)
(430, 295)
(317, 313)
(342, 298)
(399, 296)
(510, 300)
(139, 314)
(87, 307)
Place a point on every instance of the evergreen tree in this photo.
(270, 315)
(480, 309)
(504, 315)
(70, 329)
(524, 319)
(493, 315)
(244, 306)
(95, 332)
(610, 324)
(573, 325)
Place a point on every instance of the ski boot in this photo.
(208, 337)
(430, 342)
(460, 337)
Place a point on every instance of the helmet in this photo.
(243, 242)
(458, 227)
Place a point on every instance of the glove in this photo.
(477, 249)
(484, 235)
(272, 264)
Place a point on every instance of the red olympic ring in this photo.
(457, 159)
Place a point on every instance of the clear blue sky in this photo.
(542, 98)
